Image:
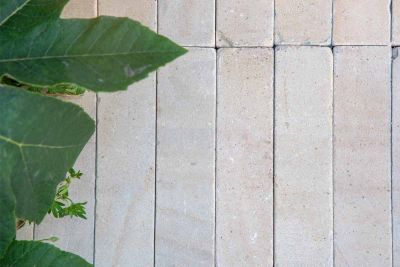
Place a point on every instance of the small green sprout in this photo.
(62, 205)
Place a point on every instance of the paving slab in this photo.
(303, 156)
(188, 22)
(126, 160)
(144, 11)
(80, 9)
(186, 160)
(307, 22)
(396, 22)
(396, 157)
(245, 23)
(362, 156)
(359, 22)
(244, 229)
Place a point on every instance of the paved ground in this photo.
(276, 140)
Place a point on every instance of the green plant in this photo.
(62, 205)
(41, 136)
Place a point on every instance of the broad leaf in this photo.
(35, 253)
(101, 54)
(7, 204)
(16, 16)
(41, 137)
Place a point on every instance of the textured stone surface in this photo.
(186, 161)
(303, 22)
(396, 157)
(359, 22)
(362, 159)
(303, 156)
(244, 157)
(144, 11)
(126, 161)
(77, 235)
(188, 22)
(396, 22)
(126, 176)
(80, 9)
(245, 23)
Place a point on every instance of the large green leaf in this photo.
(7, 204)
(41, 137)
(35, 253)
(101, 54)
(19, 16)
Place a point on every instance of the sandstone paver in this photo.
(245, 23)
(303, 156)
(362, 156)
(244, 203)
(186, 160)
(359, 22)
(188, 22)
(126, 160)
(304, 22)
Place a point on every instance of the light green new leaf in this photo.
(40, 137)
(101, 54)
(35, 253)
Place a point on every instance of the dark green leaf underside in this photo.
(38, 139)
(35, 253)
(102, 54)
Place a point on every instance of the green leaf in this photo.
(35, 253)
(40, 147)
(101, 54)
(7, 206)
(19, 16)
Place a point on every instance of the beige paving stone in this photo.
(25, 233)
(303, 22)
(186, 161)
(126, 176)
(188, 22)
(396, 22)
(245, 23)
(80, 9)
(144, 11)
(244, 206)
(396, 157)
(359, 22)
(362, 160)
(77, 235)
(303, 156)
(126, 161)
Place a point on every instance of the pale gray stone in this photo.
(360, 22)
(396, 157)
(245, 23)
(188, 22)
(126, 176)
(307, 22)
(80, 9)
(186, 161)
(362, 160)
(244, 157)
(396, 22)
(144, 11)
(126, 160)
(303, 156)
